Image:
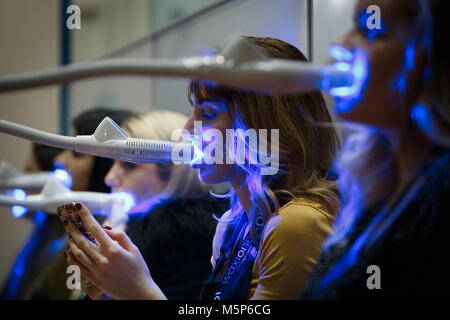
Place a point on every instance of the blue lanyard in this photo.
(234, 282)
(238, 258)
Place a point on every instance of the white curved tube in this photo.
(35, 135)
(54, 194)
(10, 178)
(240, 64)
(277, 76)
(108, 141)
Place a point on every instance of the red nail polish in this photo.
(78, 206)
(106, 227)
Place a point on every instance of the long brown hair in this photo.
(306, 149)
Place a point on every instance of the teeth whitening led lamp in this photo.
(108, 141)
(113, 205)
(11, 178)
(240, 64)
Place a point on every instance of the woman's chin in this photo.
(207, 175)
(344, 107)
(203, 176)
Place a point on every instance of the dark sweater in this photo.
(175, 240)
(412, 254)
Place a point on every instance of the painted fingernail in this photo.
(78, 206)
(72, 206)
(106, 227)
(67, 207)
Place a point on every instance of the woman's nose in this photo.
(60, 160)
(342, 48)
(111, 177)
(189, 126)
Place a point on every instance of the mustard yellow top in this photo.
(290, 244)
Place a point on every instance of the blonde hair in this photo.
(306, 150)
(182, 180)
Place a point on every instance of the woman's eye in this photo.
(210, 116)
(128, 165)
(77, 154)
(373, 32)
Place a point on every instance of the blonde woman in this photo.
(392, 235)
(172, 221)
(276, 224)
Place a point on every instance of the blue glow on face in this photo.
(371, 34)
(197, 148)
(198, 154)
(129, 200)
(340, 53)
(19, 194)
(63, 176)
(206, 135)
(19, 211)
(360, 74)
(343, 66)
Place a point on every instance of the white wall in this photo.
(107, 25)
(29, 40)
(283, 19)
(331, 20)
(131, 93)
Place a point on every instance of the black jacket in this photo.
(413, 254)
(175, 239)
